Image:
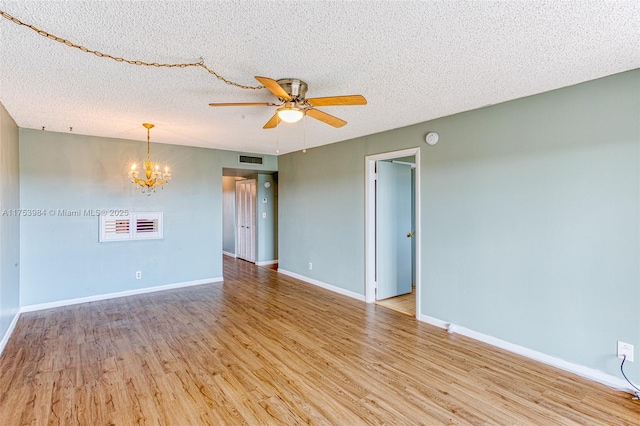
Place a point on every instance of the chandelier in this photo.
(153, 177)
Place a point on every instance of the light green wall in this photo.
(530, 218)
(61, 257)
(321, 213)
(267, 226)
(229, 214)
(9, 223)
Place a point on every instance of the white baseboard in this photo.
(581, 370)
(59, 303)
(226, 253)
(322, 284)
(267, 262)
(7, 335)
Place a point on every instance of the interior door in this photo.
(393, 229)
(246, 219)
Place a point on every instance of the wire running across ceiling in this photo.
(200, 64)
(413, 61)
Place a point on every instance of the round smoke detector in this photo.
(432, 138)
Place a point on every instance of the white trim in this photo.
(7, 335)
(370, 222)
(267, 262)
(330, 287)
(370, 230)
(226, 253)
(581, 370)
(59, 303)
(433, 321)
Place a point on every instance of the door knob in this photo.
(410, 234)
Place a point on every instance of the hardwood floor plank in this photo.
(262, 348)
(280, 412)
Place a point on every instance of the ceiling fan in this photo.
(293, 105)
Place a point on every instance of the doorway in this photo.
(250, 215)
(392, 235)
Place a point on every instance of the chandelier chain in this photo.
(148, 144)
(66, 42)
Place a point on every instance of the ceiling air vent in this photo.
(247, 159)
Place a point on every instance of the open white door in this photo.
(393, 229)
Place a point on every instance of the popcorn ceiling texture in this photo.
(412, 60)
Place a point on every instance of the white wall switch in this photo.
(264, 215)
(625, 349)
(310, 265)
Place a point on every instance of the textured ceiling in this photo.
(412, 60)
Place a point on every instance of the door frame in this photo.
(370, 222)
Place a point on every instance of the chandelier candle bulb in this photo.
(154, 178)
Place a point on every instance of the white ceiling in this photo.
(412, 60)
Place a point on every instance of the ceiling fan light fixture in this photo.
(290, 114)
(294, 106)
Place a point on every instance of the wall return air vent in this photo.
(135, 226)
(248, 159)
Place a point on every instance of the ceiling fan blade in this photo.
(338, 100)
(225, 104)
(273, 122)
(274, 87)
(326, 118)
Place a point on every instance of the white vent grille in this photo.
(113, 228)
(148, 225)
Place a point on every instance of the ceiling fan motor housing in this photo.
(297, 89)
(293, 104)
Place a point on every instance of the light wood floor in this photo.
(405, 303)
(267, 349)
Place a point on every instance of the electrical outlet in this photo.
(625, 349)
(310, 265)
(138, 275)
